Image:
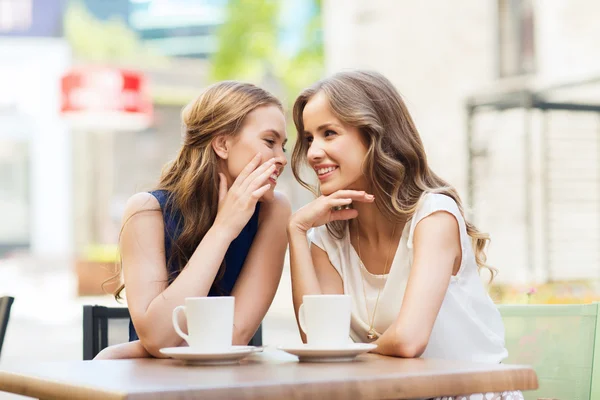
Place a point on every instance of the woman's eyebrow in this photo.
(276, 133)
(323, 127)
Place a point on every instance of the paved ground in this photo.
(46, 318)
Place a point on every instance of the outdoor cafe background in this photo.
(503, 93)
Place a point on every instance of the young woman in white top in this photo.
(387, 230)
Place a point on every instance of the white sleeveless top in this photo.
(468, 325)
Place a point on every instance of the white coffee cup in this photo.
(209, 322)
(325, 319)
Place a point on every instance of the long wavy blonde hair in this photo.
(395, 163)
(191, 179)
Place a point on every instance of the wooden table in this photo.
(269, 375)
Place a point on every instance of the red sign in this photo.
(105, 91)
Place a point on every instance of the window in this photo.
(516, 37)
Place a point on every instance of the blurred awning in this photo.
(582, 94)
(106, 98)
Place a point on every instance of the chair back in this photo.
(103, 327)
(106, 326)
(559, 342)
(5, 306)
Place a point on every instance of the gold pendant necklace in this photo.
(371, 333)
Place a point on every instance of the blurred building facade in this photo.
(35, 159)
(439, 54)
(177, 28)
(63, 185)
(35, 162)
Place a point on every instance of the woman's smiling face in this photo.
(336, 151)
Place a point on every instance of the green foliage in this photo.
(307, 66)
(95, 40)
(248, 50)
(247, 41)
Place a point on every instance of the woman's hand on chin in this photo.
(325, 209)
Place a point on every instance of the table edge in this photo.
(387, 388)
(16, 383)
(517, 377)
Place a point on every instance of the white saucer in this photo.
(203, 357)
(308, 353)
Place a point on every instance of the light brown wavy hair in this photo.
(191, 180)
(396, 163)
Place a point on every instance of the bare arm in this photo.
(150, 300)
(256, 286)
(437, 254)
(312, 272)
(123, 351)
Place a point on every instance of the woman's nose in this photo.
(280, 158)
(315, 152)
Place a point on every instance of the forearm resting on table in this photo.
(155, 327)
(133, 349)
(396, 342)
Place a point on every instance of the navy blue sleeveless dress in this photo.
(234, 257)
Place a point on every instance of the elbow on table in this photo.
(153, 337)
(409, 347)
(153, 344)
(411, 350)
(154, 348)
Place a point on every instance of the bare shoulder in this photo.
(439, 227)
(142, 219)
(139, 202)
(142, 201)
(442, 219)
(279, 209)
